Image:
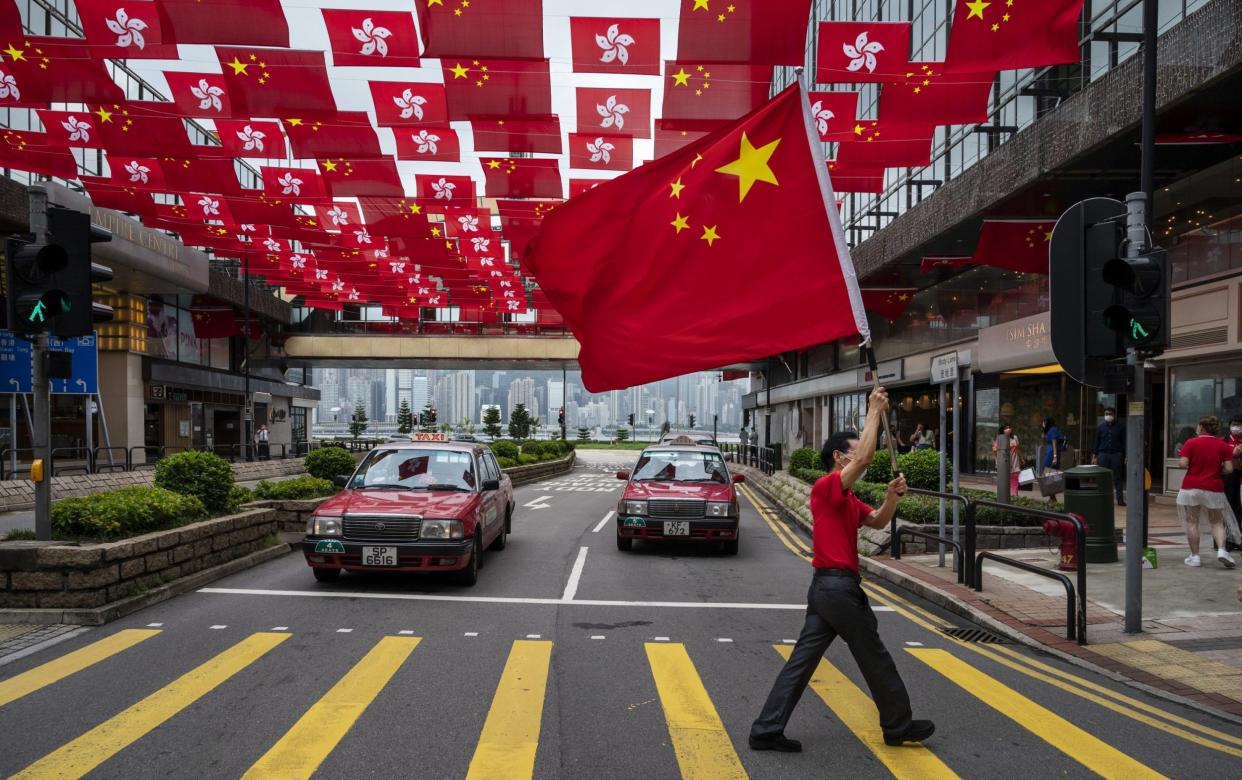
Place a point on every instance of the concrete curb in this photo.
(117, 609)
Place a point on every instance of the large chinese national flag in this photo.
(1014, 244)
(862, 51)
(640, 266)
(1011, 34)
(483, 28)
(927, 95)
(758, 32)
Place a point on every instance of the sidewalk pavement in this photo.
(1191, 645)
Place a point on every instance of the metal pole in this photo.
(1002, 469)
(13, 433)
(940, 456)
(1147, 140)
(90, 432)
(957, 448)
(1136, 412)
(41, 428)
(247, 405)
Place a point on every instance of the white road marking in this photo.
(724, 639)
(914, 644)
(882, 609)
(406, 632)
(344, 631)
(217, 628)
(155, 625)
(575, 575)
(502, 600)
(537, 503)
(280, 628)
(472, 633)
(789, 641)
(598, 636)
(534, 636)
(603, 522)
(659, 638)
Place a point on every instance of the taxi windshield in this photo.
(680, 466)
(416, 469)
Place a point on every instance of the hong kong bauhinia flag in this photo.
(1011, 34)
(862, 51)
(615, 45)
(745, 215)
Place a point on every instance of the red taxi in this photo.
(679, 492)
(421, 506)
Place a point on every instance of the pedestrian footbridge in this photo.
(428, 351)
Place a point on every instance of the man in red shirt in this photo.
(836, 603)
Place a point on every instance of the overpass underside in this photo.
(442, 352)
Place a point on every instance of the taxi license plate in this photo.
(379, 556)
(677, 529)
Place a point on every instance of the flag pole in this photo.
(875, 383)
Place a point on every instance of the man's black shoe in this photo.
(1121, 502)
(919, 730)
(780, 742)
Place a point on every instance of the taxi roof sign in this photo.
(422, 436)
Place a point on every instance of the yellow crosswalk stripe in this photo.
(704, 750)
(857, 711)
(88, 751)
(510, 735)
(30, 681)
(1091, 752)
(305, 746)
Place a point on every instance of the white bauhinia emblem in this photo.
(415, 279)
(469, 223)
(338, 216)
(397, 266)
(381, 254)
(297, 261)
(434, 300)
(822, 116)
(613, 44)
(612, 113)
(424, 291)
(208, 95)
(372, 38)
(128, 29)
(246, 227)
(353, 295)
(426, 142)
(362, 236)
(486, 262)
(77, 129)
(443, 189)
(411, 105)
(338, 285)
(289, 184)
(138, 172)
(862, 53)
(210, 206)
(600, 150)
(497, 274)
(481, 244)
(321, 274)
(252, 140)
(272, 245)
(8, 87)
(513, 305)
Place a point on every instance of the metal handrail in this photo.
(964, 575)
(957, 548)
(1070, 633)
(6, 455)
(112, 465)
(1080, 546)
(76, 454)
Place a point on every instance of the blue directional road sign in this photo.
(17, 364)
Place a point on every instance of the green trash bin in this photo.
(1089, 494)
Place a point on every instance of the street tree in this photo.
(584, 434)
(519, 422)
(623, 434)
(405, 417)
(491, 422)
(358, 421)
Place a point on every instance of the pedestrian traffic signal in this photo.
(34, 298)
(73, 231)
(1140, 308)
(432, 416)
(560, 418)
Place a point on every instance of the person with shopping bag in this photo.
(1015, 460)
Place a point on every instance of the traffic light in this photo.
(432, 416)
(34, 298)
(631, 419)
(1140, 308)
(73, 231)
(560, 418)
(693, 420)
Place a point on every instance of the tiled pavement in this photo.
(15, 637)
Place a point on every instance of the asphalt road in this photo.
(645, 664)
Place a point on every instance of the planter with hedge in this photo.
(329, 462)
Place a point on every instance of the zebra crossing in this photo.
(695, 687)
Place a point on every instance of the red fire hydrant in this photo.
(1069, 542)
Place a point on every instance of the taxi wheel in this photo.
(470, 575)
(730, 547)
(625, 544)
(327, 575)
(501, 539)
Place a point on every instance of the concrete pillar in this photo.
(124, 399)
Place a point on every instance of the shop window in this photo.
(1198, 391)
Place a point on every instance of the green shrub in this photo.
(204, 475)
(505, 449)
(294, 489)
(804, 458)
(329, 462)
(506, 463)
(240, 495)
(125, 512)
(809, 476)
(526, 460)
(922, 469)
(19, 534)
(535, 448)
(881, 469)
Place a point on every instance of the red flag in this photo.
(409, 103)
(439, 144)
(237, 22)
(345, 134)
(448, 190)
(37, 69)
(522, 178)
(106, 195)
(929, 264)
(199, 94)
(880, 145)
(383, 39)
(214, 323)
(1195, 139)
(862, 51)
(990, 36)
(759, 32)
(671, 136)
(601, 153)
(240, 138)
(142, 128)
(299, 185)
(847, 179)
(519, 136)
(614, 111)
(483, 28)
(490, 87)
(340, 216)
(351, 178)
(695, 90)
(929, 96)
(579, 186)
(889, 303)
(647, 258)
(835, 114)
(125, 29)
(72, 128)
(276, 82)
(36, 153)
(1014, 244)
(615, 45)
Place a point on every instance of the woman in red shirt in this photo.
(1205, 458)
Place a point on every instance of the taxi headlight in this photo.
(442, 529)
(719, 509)
(323, 526)
(635, 507)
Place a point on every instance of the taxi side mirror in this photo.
(491, 484)
(623, 474)
(739, 479)
(341, 480)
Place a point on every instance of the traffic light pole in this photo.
(1136, 415)
(41, 430)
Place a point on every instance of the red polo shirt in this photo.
(836, 514)
(1206, 453)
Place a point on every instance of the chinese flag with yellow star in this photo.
(483, 28)
(889, 303)
(276, 82)
(928, 95)
(522, 177)
(727, 250)
(237, 22)
(1014, 244)
(758, 32)
(36, 153)
(713, 91)
(36, 70)
(353, 178)
(1011, 34)
(344, 134)
(486, 87)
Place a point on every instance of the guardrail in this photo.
(960, 560)
(79, 454)
(766, 459)
(110, 455)
(11, 463)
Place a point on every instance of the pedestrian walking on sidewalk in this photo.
(836, 603)
(1233, 480)
(1205, 459)
(1015, 460)
(1110, 451)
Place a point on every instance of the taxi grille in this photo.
(676, 508)
(382, 529)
